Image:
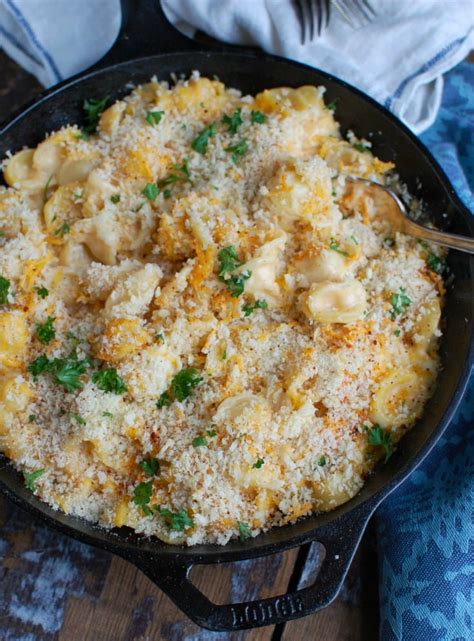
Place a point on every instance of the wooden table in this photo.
(53, 588)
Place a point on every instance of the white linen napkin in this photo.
(398, 58)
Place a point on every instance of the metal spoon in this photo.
(396, 211)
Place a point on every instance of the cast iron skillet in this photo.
(339, 531)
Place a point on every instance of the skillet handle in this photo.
(146, 31)
(340, 540)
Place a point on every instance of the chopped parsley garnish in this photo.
(435, 263)
(151, 191)
(211, 433)
(236, 283)
(334, 245)
(228, 260)
(41, 291)
(178, 521)
(257, 116)
(63, 230)
(38, 366)
(45, 331)
(244, 531)
(4, 287)
(258, 464)
(46, 189)
(233, 122)
(237, 150)
(93, 110)
(65, 371)
(397, 333)
(31, 418)
(77, 418)
(159, 337)
(181, 176)
(163, 401)
(199, 441)
(153, 117)
(201, 141)
(115, 199)
(322, 461)
(248, 308)
(142, 496)
(354, 240)
(109, 414)
(31, 478)
(108, 380)
(184, 382)
(382, 439)
(399, 302)
(150, 466)
(332, 105)
(360, 147)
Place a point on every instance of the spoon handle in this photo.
(455, 241)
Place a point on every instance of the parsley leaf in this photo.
(435, 263)
(248, 308)
(4, 287)
(63, 230)
(237, 150)
(77, 418)
(245, 531)
(31, 477)
(151, 191)
(257, 116)
(67, 372)
(334, 245)
(397, 333)
(163, 401)
(93, 110)
(108, 380)
(45, 331)
(38, 366)
(360, 147)
(109, 414)
(399, 302)
(258, 464)
(211, 433)
(182, 176)
(184, 382)
(228, 260)
(236, 283)
(153, 117)
(115, 199)
(199, 441)
(322, 461)
(382, 439)
(201, 141)
(142, 496)
(150, 466)
(179, 521)
(332, 105)
(41, 291)
(233, 122)
(46, 189)
(32, 418)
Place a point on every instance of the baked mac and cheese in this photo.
(205, 331)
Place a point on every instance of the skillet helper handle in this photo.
(340, 540)
(145, 31)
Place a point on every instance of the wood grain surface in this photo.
(53, 588)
